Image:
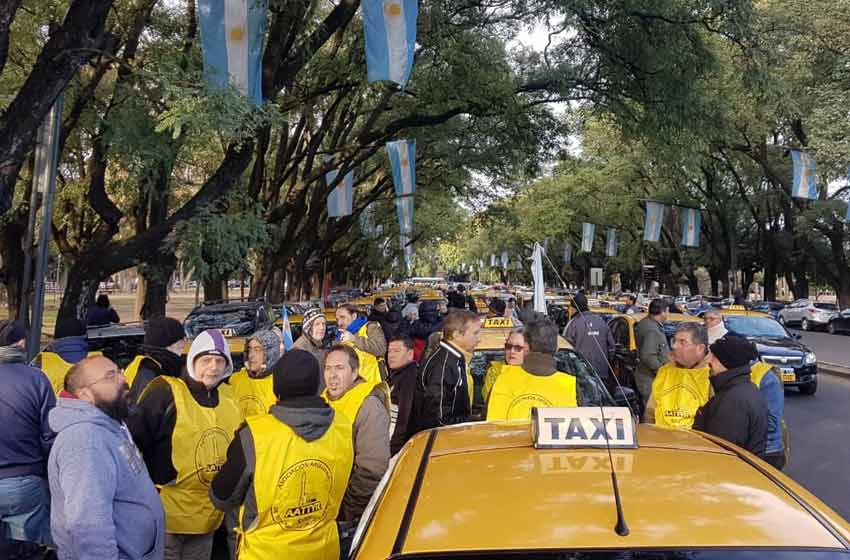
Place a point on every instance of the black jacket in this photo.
(456, 300)
(100, 316)
(152, 424)
(158, 361)
(442, 394)
(402, 394)
(390, 323)
(430, 321)
(737, 412)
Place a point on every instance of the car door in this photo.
(792, 312)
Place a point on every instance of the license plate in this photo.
(788, 375)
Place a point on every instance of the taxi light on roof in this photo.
(583, 427)
(736, 308)
(498, 323)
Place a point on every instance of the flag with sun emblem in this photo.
(805, 185)
(691, 219)
(390, 27)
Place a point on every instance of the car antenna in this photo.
(621, 527)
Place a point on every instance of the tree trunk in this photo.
(212, 290)
(13, 258)
(157, 278)
(80, 292)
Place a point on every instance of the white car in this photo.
(808, 314)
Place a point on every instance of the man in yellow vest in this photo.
(253, 385)
(537, 382)
(681, 386)
(183, 427)
(516, 349)
(287, 470)
(69, 346)
(365, 405)
(366, 337)
(160, 354)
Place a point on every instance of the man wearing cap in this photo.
(287, 470)
(737, 412)
(590, 336)
(366, 405)
(69, 346)
(25, 441)
(183, 427)
(312, 339)
(160, 354)
(253, 384)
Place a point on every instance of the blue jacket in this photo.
(103, 503)
(772, 390)
(72, 349)
(25, 399)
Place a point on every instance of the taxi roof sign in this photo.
(583, 427)
(498, 323)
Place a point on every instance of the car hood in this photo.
(778, 346)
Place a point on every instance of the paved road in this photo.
(832, 348)
(820, 456)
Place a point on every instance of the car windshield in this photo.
(590, 391)
(755, 326)
(826, 306)
(235, 322)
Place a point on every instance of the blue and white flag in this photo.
(286, 329)
(568, 253)
(480, 264)
(504, 259)
(611, 243)
(805, 185)
(654, 221)
(407, 250)
(588, 231)
(233, 34)
(402, 155)
(404, 206)
(390, 28)
(691, 223)
(341, 199)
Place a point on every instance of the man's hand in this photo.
(347, 336)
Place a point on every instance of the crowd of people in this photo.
(150, 461)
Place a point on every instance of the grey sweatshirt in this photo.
(103, 503)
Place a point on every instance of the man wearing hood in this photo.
(429, 322)
(69, 346)
(160, 354)
(390, 321)
(25, 442)
(104, 504)
(253, 385)
(183, 427)
(312, 339)
(295, 460)
(590, 336)
(714, 326)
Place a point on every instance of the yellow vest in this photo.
(370, 368)
(299, 486)
(253, 396)
(493, 372)
(349, 404)
(55, 368)
(758, 371)
(678, 394)
(198, 449)
(516, 392)
(132, 369)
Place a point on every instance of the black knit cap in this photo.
(581, 301)
(11, 332)
(163, 331)
(734, 351)
(68, 326)
(296, 374)
(498, 305)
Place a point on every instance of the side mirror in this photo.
(796, 336)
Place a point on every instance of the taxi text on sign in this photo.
(583, 427)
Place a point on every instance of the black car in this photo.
(776, 346)
(236, 321)
(840, 324)
(120, 343)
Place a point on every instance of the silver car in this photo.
(808, 314)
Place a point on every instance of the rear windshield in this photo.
(717, 554)
(826, 306)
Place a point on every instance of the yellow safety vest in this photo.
(678, 394)
(55, 368)
(198, 450)
(132, 369)
(516, 392)
(493, 372)
(370, 368)
(758, 371)
(349, 404)
(298, 486)
(254, 396)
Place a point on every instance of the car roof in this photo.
(743, 312)
(226, 307)
(671, 318)
(484, 487)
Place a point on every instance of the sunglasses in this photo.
(514, 348)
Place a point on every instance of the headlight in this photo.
(810, 359)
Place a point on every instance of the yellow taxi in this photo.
(587, 484)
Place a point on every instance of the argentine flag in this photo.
(504, 259)
(407, 250)
(390, 27)
(404, 206)
(233, 33)
(568, 253)
(286, 329)
(691, 223)
(492, 261)
(611, 243)
(588, 231)
(654, 221)
(805, 184)
(402, 155)
(341, 199)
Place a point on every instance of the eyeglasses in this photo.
(514, 348)
(111, 375)
(711, 319)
